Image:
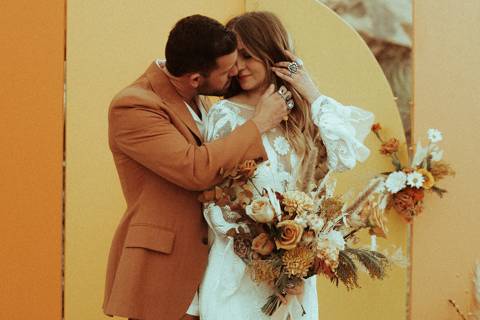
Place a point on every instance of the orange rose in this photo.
(262, 244)
(260, 210)
(290, 234)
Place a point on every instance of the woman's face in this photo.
(252, 73)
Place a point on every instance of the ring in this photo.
(293, 67)
(290, 104)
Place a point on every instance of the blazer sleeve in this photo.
(149, 137)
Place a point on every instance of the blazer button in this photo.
(205, 240)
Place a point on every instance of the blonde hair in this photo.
(265, 37)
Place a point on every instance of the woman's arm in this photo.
(343, 128)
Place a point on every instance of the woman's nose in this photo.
(240, 64)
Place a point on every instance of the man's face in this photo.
(218, 81)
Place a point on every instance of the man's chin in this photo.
(216, 92)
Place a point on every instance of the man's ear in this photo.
(195, 79)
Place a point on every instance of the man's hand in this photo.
(271, 110)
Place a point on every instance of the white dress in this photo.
(227, 292)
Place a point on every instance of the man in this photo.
(159, 250)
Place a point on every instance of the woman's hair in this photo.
(265, 38)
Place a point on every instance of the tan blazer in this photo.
(159, 250)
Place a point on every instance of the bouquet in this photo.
(406, 185)
(285, 237)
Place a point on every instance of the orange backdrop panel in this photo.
(31, 148)
(446, 237)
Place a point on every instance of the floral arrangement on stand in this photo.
(284, 237)
(406, 186)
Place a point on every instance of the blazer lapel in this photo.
(164, 89)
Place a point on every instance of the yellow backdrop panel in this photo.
(344, 68)
(446, 237)
(31, 148)
(110, 43)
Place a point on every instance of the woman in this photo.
(316, 123)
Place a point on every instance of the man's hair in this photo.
(195, 43)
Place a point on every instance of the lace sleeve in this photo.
(219, 219)
(343, 130)
(221, 120)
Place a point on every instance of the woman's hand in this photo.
(293, 289)
(300, 80)
(296, 289)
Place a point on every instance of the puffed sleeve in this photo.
(343, 130)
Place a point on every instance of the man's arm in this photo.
(148, 136)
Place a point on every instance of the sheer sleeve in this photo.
(343, 130)
(221, 121)
(215, 217)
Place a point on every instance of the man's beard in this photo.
(207, 90)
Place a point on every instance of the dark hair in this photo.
(195, 43)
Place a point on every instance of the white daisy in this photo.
(415, 179)
(434, 135)
(396, 181)
(281, 145)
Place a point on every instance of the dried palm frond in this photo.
(375, 262)
(347, 271)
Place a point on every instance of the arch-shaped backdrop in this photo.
(111, 42)
(345, 68)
